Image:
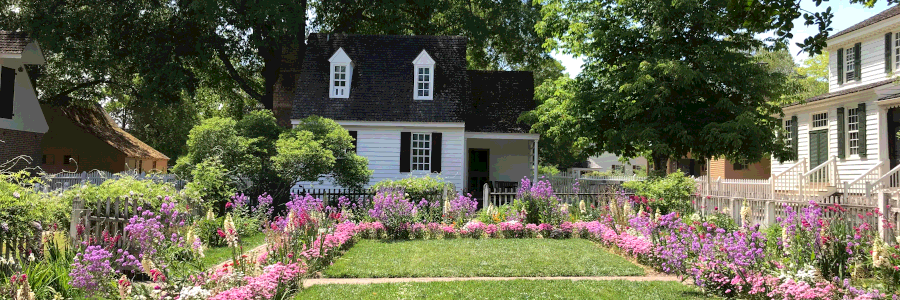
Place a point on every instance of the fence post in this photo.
(736, 210)
(884, 200)
(770, 213)
(487, 196)
(76, 218)
(771, 187)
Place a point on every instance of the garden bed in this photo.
(480, 257)
(512, 289)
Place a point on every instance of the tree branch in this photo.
(237, 77)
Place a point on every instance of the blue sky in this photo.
(845, 15)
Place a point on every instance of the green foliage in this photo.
(425, 187)
(318, 146)
(706, 101)
(561, 145)
(207, 231)
(666, 194)
(547, 170)
(20, 206)
(211, 183)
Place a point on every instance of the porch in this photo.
(499, 160)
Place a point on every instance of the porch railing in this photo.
(788, 181)
(889, 181)
(858, 189)
(822, 176)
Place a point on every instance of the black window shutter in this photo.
(7, 92)
(887, 53)
(405, 148)
(436, 138)
(842, 133)
(840, 66)
(795, 136)
(355, 143)
(857, 64)
(861, 118)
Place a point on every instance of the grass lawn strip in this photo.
(512, 289)
(480, 257)
(218, 255)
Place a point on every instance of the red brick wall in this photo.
(15, 143)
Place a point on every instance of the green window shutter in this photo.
(795, 136)
(887, 53)
(857, 64)
(861, 117)
(842, 133)
(840, 66)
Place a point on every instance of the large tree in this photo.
(671, 78)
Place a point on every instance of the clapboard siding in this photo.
(852, 166)
(872, 63)
(381, 145)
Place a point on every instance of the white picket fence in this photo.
(65, 181)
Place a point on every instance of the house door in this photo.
(818, 148)
(479, 173)
(893, 139)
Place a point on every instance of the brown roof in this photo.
(843, 92)
(887, 13)
(13, 42)
(97, 122)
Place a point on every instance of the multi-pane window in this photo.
(339, 81)
(421, 152)
(853, 130)
(788, 137)
(423, 83)
(896, 51)
(820, 120)
(850, 68)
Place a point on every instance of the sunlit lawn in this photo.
(480, 257)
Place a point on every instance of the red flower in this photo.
(228, 205)
(220, 232)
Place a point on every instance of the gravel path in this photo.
(311, 282)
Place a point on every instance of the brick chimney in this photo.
(286, 86)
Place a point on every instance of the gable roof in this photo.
(843, 92)
(95, 121)
(382, 79)
(498, 98)
(13, 42)
(886, 14)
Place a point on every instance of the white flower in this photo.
(745, 214)
(31, 257)
(16, 195)
(195, 292)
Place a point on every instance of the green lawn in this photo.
(515, 289)
(215, 256)
(485, 257)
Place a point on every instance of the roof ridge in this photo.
(884, 15)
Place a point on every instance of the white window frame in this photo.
(339, 87)
(812, 121)
(420, 152)
(789, 139)
(896, 51)
(340, 71)
(849, 65)
(852, 128)
(423, 62)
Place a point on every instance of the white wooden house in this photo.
(416, 110)
(846, 140)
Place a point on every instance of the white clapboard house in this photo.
(847, 140)
(22, 123)
(415, 109)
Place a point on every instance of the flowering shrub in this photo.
(541, 205)
(394, 211)
(461, 209)
(667, 194)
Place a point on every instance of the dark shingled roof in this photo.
(13, 42)
(844, 92)
(498, 98)
(96, 121)
(382, 80)
(886, 14)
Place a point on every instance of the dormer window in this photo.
(423, 73)
(341, 73)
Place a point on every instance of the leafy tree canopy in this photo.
(671, 78)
